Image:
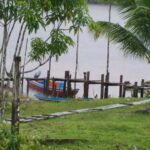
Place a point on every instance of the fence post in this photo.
(16, 98)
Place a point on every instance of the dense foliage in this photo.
(66, 15)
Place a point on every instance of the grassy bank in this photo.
(103, 130)
(45, 107)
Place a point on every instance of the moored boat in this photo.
(56, 90)
(39, 86)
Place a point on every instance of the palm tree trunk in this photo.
(108, 44)
(77, 58)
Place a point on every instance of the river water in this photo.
(92, 57)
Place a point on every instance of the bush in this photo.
(18, 142)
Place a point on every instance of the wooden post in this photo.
(124, 90)
(142, 89)
(102, 87)
(16, 98)
(106, 85)
(64, 90)
(135, 90)
(67, 76)
(69, 86)
(121, 86)
(84, 85)
(47, 83)
(27, 87)
(53, 87)
(87, 84)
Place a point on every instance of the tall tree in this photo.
(134, 37)
(66, 15)
(77, 58)
(7, 16)
(14, 12)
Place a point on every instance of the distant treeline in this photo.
(97, 1)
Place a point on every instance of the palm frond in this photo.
(130, 44)
(139, 23)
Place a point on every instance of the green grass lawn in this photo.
(35, 107)
(101, 130)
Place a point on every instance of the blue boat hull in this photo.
(49, 98)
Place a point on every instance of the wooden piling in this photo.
(64, 89)
(135, 90)
(102, 87)
(86, 84)
(16, 97)
(27, 87)
(53, 87)
(68, 87)
(142, 89)
(121, 86)
(47, 83)
(67, 76)
(124, 90)
(106, 85)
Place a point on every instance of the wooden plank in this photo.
(139, 102)
(59, 114)
(82, 110)
(109, 107)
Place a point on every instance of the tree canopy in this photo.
(64, 15)
(31, 15)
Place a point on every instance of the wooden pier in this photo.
(104, 82)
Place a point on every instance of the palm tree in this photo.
(134, 36)
(77, 58)
(108, 44)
